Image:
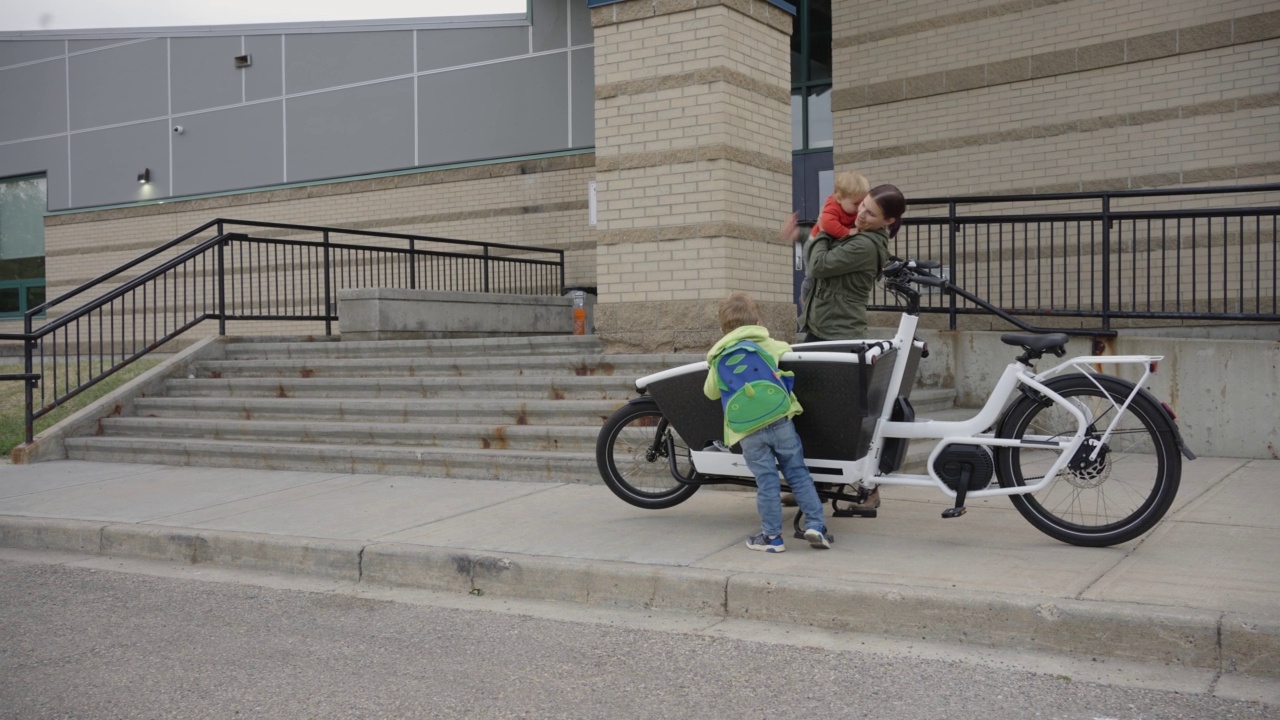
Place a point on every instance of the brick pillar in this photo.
(693, 168)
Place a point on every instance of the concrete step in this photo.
(463, 389)
(452, 462)
(448, 410)
(577, 365)
(510, 409)
(928, 401)
(468, 347)
(565, 438)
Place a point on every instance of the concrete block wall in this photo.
(979, 97)
(692, 148)
(945, 98)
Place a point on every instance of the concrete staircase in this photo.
(525, 409)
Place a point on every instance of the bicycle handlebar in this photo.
(927, 279)
(916, 271)
(899, 273)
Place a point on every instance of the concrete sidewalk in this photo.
(1201, 591)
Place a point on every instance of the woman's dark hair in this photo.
(891, 203)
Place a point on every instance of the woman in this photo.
(845, 271)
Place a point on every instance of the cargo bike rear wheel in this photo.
(642, 459)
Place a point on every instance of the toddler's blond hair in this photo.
(738, 310)
(851, 185)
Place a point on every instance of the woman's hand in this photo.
(787, 234)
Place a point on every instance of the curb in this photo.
(1204, 639)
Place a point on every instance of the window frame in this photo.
(24, 285)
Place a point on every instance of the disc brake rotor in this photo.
(1085, 472)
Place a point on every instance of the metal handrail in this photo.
(1205, 264)
(206, 282)
(1097, 194)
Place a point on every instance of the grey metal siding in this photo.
(35, 101)
(265, 78)
(119, 84)
(314, 104)
(497, 110)
(349, 132)
(450, 48)
(550, 25)
(584, 97)
(203, 73)
(16, 52)
(228, 149)
(325, 60)
(105, 163)
(580, 24)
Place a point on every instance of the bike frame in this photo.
(973, 431)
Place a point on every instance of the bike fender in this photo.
(1117, 385)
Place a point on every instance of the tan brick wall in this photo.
(693, 163)
(537, 203)
(947, 98)
(950, 98)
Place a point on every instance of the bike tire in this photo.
(629, 464)
(1113, 499)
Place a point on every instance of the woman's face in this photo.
(870, 216)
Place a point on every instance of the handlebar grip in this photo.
(926, 279)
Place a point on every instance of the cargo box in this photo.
(840, 385)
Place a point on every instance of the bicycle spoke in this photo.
(1113, 489)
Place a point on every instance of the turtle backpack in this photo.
(754, 393)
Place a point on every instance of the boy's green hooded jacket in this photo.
(760, 335)
(844, 273)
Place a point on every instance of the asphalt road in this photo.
(89, 644)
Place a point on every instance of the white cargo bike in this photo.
(1087, 458)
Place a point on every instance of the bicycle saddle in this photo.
(1051, 342)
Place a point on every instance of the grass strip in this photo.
(13, 401)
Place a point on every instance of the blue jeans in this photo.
(765, 450)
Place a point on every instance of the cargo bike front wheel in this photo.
(642, 459)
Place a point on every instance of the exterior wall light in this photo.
(144, 177)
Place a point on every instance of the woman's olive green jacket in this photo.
(844, 273)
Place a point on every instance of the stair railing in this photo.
(284, 272)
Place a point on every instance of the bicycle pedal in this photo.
(954, 512)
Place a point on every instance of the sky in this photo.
(16, 15)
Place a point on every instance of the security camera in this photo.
(177, 129)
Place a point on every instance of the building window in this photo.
(811, 125)
(22, 209)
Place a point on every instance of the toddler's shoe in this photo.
(820, 539)
(766, 543)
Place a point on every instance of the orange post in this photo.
(579, 313)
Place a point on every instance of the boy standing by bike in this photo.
(758, 406)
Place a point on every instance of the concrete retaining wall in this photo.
(1225, 392)
(391, 314)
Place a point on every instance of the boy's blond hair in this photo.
(850, 185)
(738, 310)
